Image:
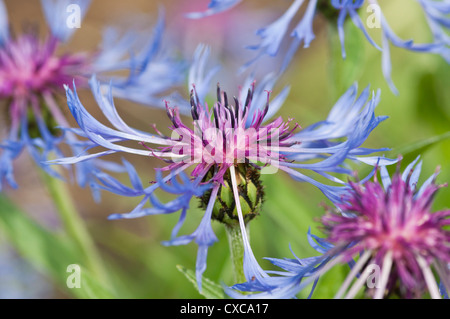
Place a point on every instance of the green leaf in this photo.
(411, 150)
(50, 253)
(210, 289)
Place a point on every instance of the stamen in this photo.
(248, 99)
(216, 118)
(233, 120)
(225, 99)
(219, 95)
(194, 111)
(236, 109)
(169, 111)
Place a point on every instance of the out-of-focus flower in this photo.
(228, 33)
(390, 226)
(436, 14)
(32, 74)
(226, 149)
(214, 7)
(18, 279)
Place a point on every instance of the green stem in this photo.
(74, 225)
(237, 251)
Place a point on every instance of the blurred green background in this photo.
(138, 265)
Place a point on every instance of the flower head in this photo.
(394, 222)
(225, 147)
(221, 137)
(29, 68)
(390, 227)
(32, 75)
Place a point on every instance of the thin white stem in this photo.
(429, 278)
(385, 271)
(238, 204)
(358, 284)
(443, 273)
(362, 260)
(247, 248)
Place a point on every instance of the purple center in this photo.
(29, 66)
(222, 137)
(396, 221)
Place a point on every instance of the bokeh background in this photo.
(138, 265)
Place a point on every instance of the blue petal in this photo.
(304, 30)
(259, 100)
(360, 25)
(58, 13)
(204, 237)
(214, 7)
(4, 25)
(273, 34)
(6, 166)
(409, 169)
(153, 70)
(386, 64)
(197, 75)
(341, 33)
(319, 244)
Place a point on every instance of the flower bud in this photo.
(251, 195)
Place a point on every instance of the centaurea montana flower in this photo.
(436, 14)
(32, 74)
(229, 145)
(390, 226)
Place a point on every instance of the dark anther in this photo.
(232, 118)
(247, 100)
(169, 113)
(224, 142)
(225, 99)
(193, 107)
(236, 109)
(192, 98)
(219, 97)
(216, 118)
(194, 113)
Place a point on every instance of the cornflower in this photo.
(33, 72)
(226, 149)
(390, 227)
